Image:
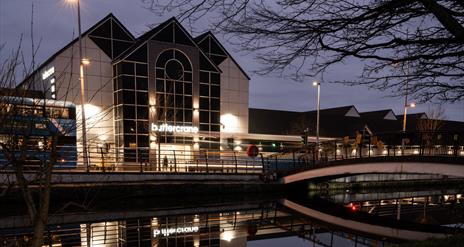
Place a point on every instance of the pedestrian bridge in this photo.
(436, 165)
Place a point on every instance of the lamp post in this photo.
(406, 106)
(82, 62)
(318, 85)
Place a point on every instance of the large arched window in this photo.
(174, 90)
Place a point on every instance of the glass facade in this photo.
(131, 110)
(174, 92)
(158, 83)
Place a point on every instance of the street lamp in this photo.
(318, 85)
(82, 61)
(406, 106)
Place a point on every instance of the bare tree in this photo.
(304, 38)
(19, 146)
(434, 120)
(430, 126)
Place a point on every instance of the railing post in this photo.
(206, 161)
(262, 163)
(314, 158)
(335, 150)
(293, 155)
(420, 145)
(175, 161)
(360, 147)
(277, 169)
(236, 165)
(369, 149)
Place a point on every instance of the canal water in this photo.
(316, 218)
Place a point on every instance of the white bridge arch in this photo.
(411, 167)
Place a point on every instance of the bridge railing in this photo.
(412, 144)
(187, 160)
(143, 160)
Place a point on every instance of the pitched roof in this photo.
(90, 29)
(143, 38)
(334, 122)
(378, 122)
(337, 111)
(153, 32)
(380, 114)
(201, 37)
(264, 121)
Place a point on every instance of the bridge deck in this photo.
(448, 166)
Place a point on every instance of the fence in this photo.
(105, 159)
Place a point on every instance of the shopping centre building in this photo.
(163, 90)
(167, 90)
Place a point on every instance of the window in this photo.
(174, 69)
(142, 83)
(173, 83)
(210, 105)
(142, 98)
(127, 68)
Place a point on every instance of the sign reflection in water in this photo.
(179, 230)
(237, 224)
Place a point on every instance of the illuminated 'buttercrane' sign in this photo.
(179, 230)
(173, 128)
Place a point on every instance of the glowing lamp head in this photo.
(227, 236)
(229, 123)
(71, 2)
(315, 83)
(412, 105)
(85, 61)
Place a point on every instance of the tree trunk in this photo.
(41, 217)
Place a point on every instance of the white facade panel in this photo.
(99, 90)
(234, 96)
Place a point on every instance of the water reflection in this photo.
(337, 219)
(438, 207)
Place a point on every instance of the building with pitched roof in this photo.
(164, 87)
(168, 91)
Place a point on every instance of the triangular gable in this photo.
(174, 33)
(390, 116)
(111, 37)
(168, 31)
(215, 50)
(120, 32)
(98, 24)
(352, 112)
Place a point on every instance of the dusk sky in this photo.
(55, 21)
